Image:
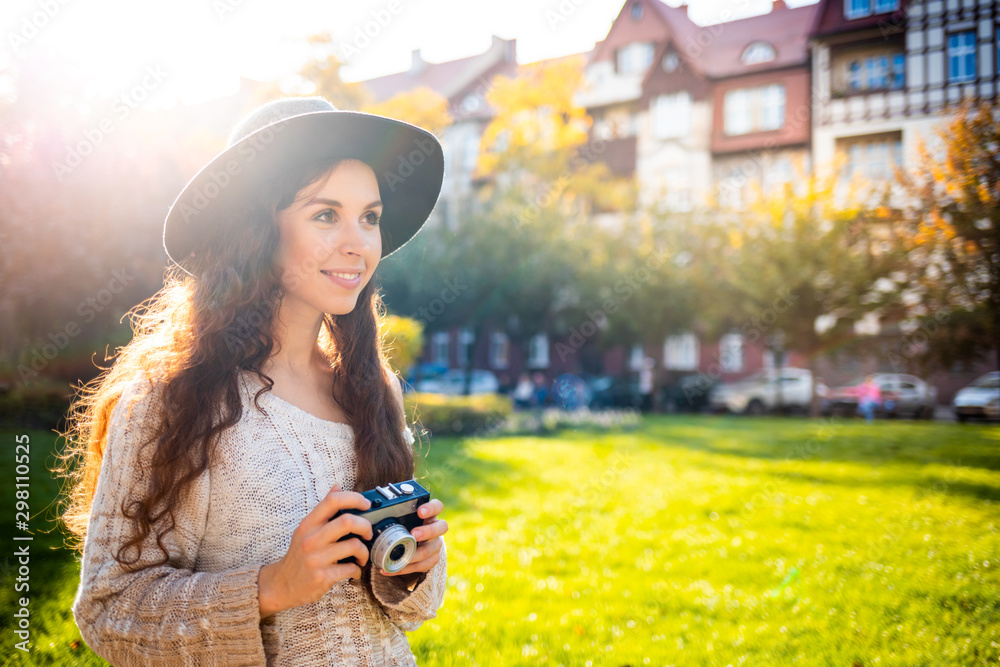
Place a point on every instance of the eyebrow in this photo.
(334, 202)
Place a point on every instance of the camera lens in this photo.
(393, 548)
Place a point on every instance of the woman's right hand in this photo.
(311, 567)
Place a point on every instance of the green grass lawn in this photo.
(693, 541)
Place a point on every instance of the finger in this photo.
(340, 571)
(422, 562)
(430, 530)
(430, 509)
(346, 524)
(333, 503)
(352, 548)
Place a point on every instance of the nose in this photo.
(352, 239)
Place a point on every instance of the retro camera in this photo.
(393, 514)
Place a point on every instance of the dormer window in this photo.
(635, 58)
(636, 11)
(758, 52)
(671, 61)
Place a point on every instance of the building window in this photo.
(636, 11)
(680, 352)
(754, 109)
(635, 357)
(538, 351)
(499, 350)
(854, 9)
(731, 352)
(465, 340)
(962, 56)
(635, 57)
(439, 348)
(672, 115)
(758, 52)
(877, 72)
(470, 152)
(671, 62)
(873, 158)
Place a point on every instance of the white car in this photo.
(760, 392)
(979, 399)
(453, 383)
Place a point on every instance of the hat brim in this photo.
(408, 162)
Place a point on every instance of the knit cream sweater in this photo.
(202, 607)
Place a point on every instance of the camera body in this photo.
(393, 514)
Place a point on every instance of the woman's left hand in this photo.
(428, 538)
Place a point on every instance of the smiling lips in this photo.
(346, 279)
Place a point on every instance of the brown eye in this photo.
(372, 218)
(325, 216)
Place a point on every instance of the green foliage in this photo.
(35, 405)
(954, 232)
(405, 339)
(464, 415)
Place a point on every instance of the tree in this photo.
(404, 337)
(796, 258)
(954, 247)
(422, 107)
(321, 76)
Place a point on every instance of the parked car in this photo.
(689, 394)
(902, 396)
(981, 399)
(453, 383)
(609, 391)
(423, 371)
(759, 393)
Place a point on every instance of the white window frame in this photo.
(962, 51)
(440, 344)
(465, 339)
(635, 57)
(672, 115)
(680, 352)
(499, 350)
(758, 109)
(731, 352)
(636, 357)
(538, 351)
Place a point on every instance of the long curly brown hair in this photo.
(194, 336)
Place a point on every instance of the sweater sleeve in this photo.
(409, 609)
(162, 614)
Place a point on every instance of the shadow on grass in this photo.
(447, 466)
(847, 440)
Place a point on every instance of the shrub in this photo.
(554, 419)
(458, 415)
(37, 405)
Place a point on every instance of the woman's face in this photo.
(330, 240)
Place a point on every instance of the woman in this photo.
(252, 403)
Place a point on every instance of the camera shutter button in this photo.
(406, 488)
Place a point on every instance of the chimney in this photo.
(417, 63)
(778, 5)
